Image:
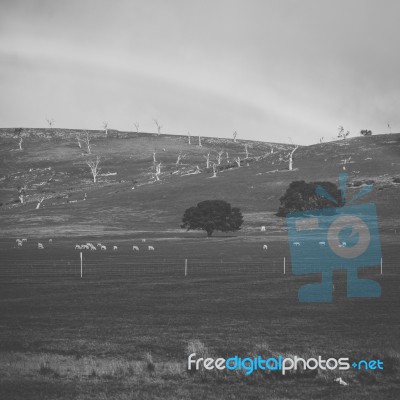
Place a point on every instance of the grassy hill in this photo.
(127, 198)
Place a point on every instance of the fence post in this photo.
(284, 265)
(186, 266)
(81, 265)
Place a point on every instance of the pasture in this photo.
(122, 331)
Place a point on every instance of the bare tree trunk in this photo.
(20, 143)
(39, 203)
(188, 137)
(199, 141)
(291, 158)
(94, 167)
(207, 157)
(215, 169)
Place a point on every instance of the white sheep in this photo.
(40, 246)
(19, 244)
(135, 248)
(151, 248)
(24, 240)
(50, 240)
(19, 240)
(77, 247)
(265, 247)
(99, 244)
(143, 240)
(103, 247)
(297, 244)
(322, 243)
(84, 247)
(343, 244)
(263, 228)
(115, 248)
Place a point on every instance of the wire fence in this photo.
(120, 266)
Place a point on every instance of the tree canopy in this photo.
(212, 215)
(301, 196)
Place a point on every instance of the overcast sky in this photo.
(268, 69)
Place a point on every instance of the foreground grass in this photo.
(53, 376)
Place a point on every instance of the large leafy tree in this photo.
(212, 215)
(301, 196)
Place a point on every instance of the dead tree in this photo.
(188, 137)
(215, 170)
(219, 157)
(291, 158)
(93, 164)
(50, 122)
(20, 143)
(227, 157)
(199, 141)
(234, 136)
(272, 149)
(154, 157)
(207, 157)
(321, 139)
(39, 203)
(78, 138)
(86, 139)
(136, 125)
(342, 134)
(180, 158)
(158, 126)
(105, 127)
(237, 161)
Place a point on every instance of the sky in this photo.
(272, 70)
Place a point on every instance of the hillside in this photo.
(127, 198)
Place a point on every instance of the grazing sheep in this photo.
(151, 248)
(143, 240)
(77, 247)
(265, 247)
(115, 248)
(103, 247)
(18, 240)
(263, 228)
(297, 244)
(84, 247)
(322, 243)
(24, 239)
(135, 248)
(50, 240)
(343, 244)
(19, 244)
(40, 246)
(99, 244)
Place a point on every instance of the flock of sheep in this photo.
(102, 247)
(86, 246)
